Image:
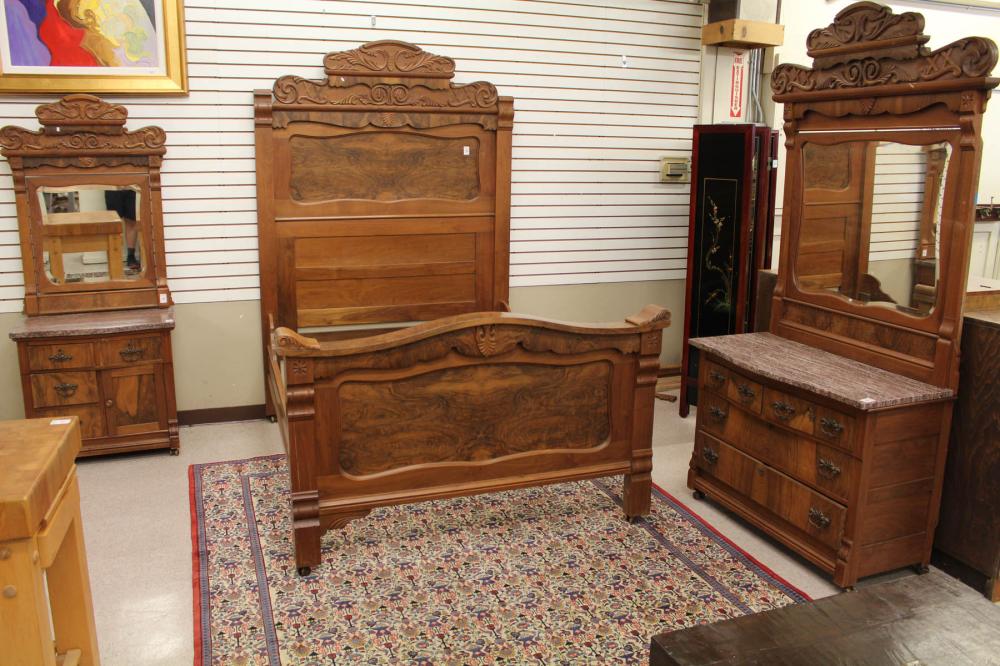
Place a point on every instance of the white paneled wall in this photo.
(897, 201)
(588, 132)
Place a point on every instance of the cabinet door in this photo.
(134, 399)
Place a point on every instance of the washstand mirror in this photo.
(871, 215)
(89, 208)
(91, 233)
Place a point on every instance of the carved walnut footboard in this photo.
(462, 405)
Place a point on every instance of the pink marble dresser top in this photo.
(842, 379)
(94, 323)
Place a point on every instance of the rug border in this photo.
(753, 560)
(195, 566)
(196, 545)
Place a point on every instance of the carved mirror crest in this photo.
(89, 208)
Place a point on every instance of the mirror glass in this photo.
(90, 233)
(870, 221)
(984, 262)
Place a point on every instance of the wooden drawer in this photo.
(129, 350)
(834, 427)
(789, 411)
(91, 418)
(822, 467)
(60, 356)
(54, 389)
(733, 386)
(793, 502)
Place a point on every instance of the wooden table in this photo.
(41, 545)
(927, 620)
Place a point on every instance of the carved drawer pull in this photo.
(717, 414)
(716, 377)
(783, 410)
(710, 456)
(746, 393)
(828, 469)
(65, 390)
(131, 353)
(831, 426)
(60, 356)
(818, 519)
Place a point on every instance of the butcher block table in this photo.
(41, 546)
(918, 620)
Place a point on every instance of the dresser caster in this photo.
(175, 452)
(272, 418)
(304, 571)
(698, 495)
(921, 569)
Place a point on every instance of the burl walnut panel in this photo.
(473, 413)
(384, 166)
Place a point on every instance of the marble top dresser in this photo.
(834, 458)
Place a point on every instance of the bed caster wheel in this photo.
(698, 495)
(304, 571)
(921, 569)
(272, 419)
(175, 452)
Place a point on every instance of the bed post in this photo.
(638, 482)
(300, 394)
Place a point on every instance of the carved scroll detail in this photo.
(297, 90)
(17, 138)
(967, 58)
(388, 58)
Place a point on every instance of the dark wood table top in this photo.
(926, 620)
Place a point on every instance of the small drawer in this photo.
(835, 428)
(54, 389)
(746, 393)
(789, 411)
(91, 418)
(60, 356)
(715, 378)
(130, 350)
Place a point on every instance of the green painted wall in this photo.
(217, 353)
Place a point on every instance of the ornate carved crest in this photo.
(486, 339)
(387, 74)
(388, 58)
(867, 45)
(82, 124)
(81, 110)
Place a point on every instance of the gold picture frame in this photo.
(169, 77)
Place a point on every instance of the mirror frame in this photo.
(873, 77)
(83, 141)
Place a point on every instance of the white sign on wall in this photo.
(731, 97)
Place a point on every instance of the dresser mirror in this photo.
(91, 233)
(870, 220)
(89, 208)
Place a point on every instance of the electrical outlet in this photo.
(675, 170)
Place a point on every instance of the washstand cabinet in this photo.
(96, 340)
(829, 431)
(113, 370)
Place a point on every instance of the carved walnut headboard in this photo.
(383, 191)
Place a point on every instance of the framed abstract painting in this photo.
(93, 46)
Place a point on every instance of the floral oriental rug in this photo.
(550, 575)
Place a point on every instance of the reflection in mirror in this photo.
(91, 233)
(984, 262)
(870, 219)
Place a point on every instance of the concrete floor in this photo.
(138, 531)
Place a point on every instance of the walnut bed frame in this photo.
(384, 198)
